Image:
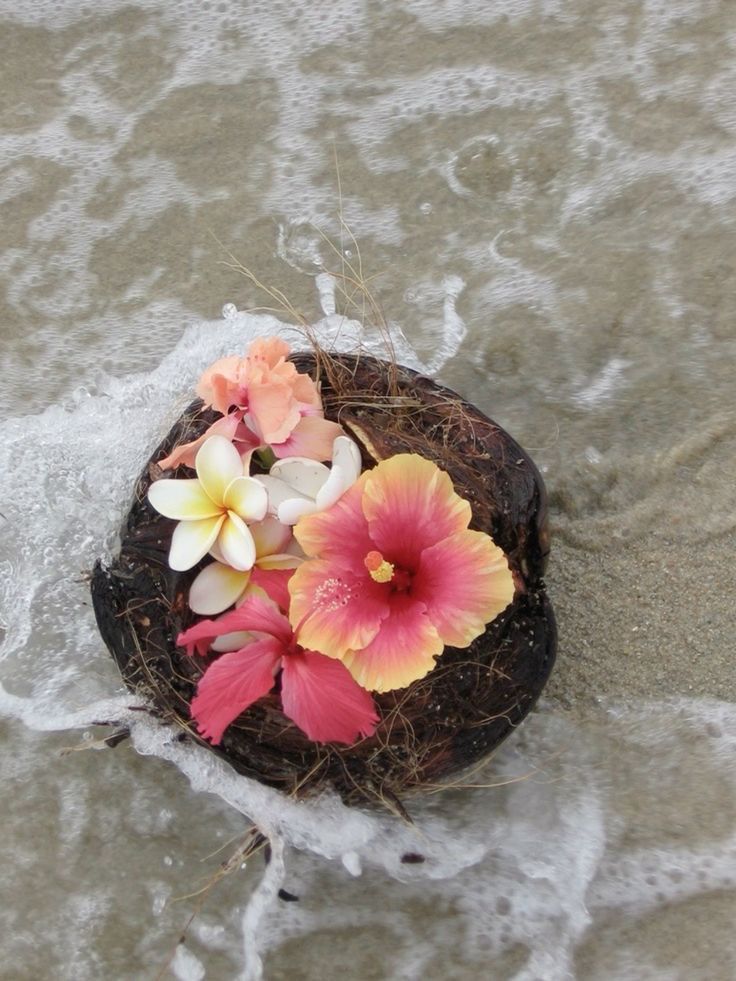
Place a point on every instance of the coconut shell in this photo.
(439, 725)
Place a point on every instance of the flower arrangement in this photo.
(332, 574)
(344, 581)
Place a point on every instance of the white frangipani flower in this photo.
(214, 509)
(297, 486)
(218, 586)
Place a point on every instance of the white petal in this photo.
(270, 536)
(217, 464)
(232, 642)
(192, 540)
(279, 560)
(345, 454)
(184, 500)
(247, 498)
(216, 588)
(304, 475)
(216, 553)
(236, 543)
(278, 491)
(333, 489)
(297, 507)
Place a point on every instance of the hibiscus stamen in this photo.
(379, 568)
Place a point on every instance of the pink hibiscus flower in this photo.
(317, 692)
(395, 574)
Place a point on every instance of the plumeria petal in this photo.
(185, 454)
(341, 532)
(319, 695)
(332, 610)
(465, 582)
(217, 464)
(184, 500)
(410, 504)
(278, 492)
(216, 588)
(304, 475)
(232, 642)
(192, 540)
(270, 536)
(247, 498)
(333, 488)
(346, 455)
(312, 437)
(403, 650)
(291, 511)
(236, 543)
(231, 684)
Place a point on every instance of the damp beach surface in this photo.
(544, 193)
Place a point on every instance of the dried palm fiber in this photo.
(439, 725)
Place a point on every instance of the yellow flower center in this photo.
(379, 568)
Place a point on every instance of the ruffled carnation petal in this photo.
(272, 410)
(220, 383)
(192, 540)
(465, 582)
(319, 695)
(403, 651)
(332, 610)
(312, 437)
(410, 504)
(231, 684)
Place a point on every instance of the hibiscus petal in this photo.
(312, 437)
(184, 500)
(236, 543)
(216, 588)
(217, 464)
(410, 504)
(319, 695)
(186, 453)
(256, 614)
(274, 583)
(192, 540)
(270, 536)
(304, 475)
(247, 498)
(231, 684)
(403, 650)
(465, 582)
(332, 610)
(342, 531)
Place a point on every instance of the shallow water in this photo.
(544, 192)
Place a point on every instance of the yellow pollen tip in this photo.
(379, 568)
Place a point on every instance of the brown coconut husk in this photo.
(441, 724)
